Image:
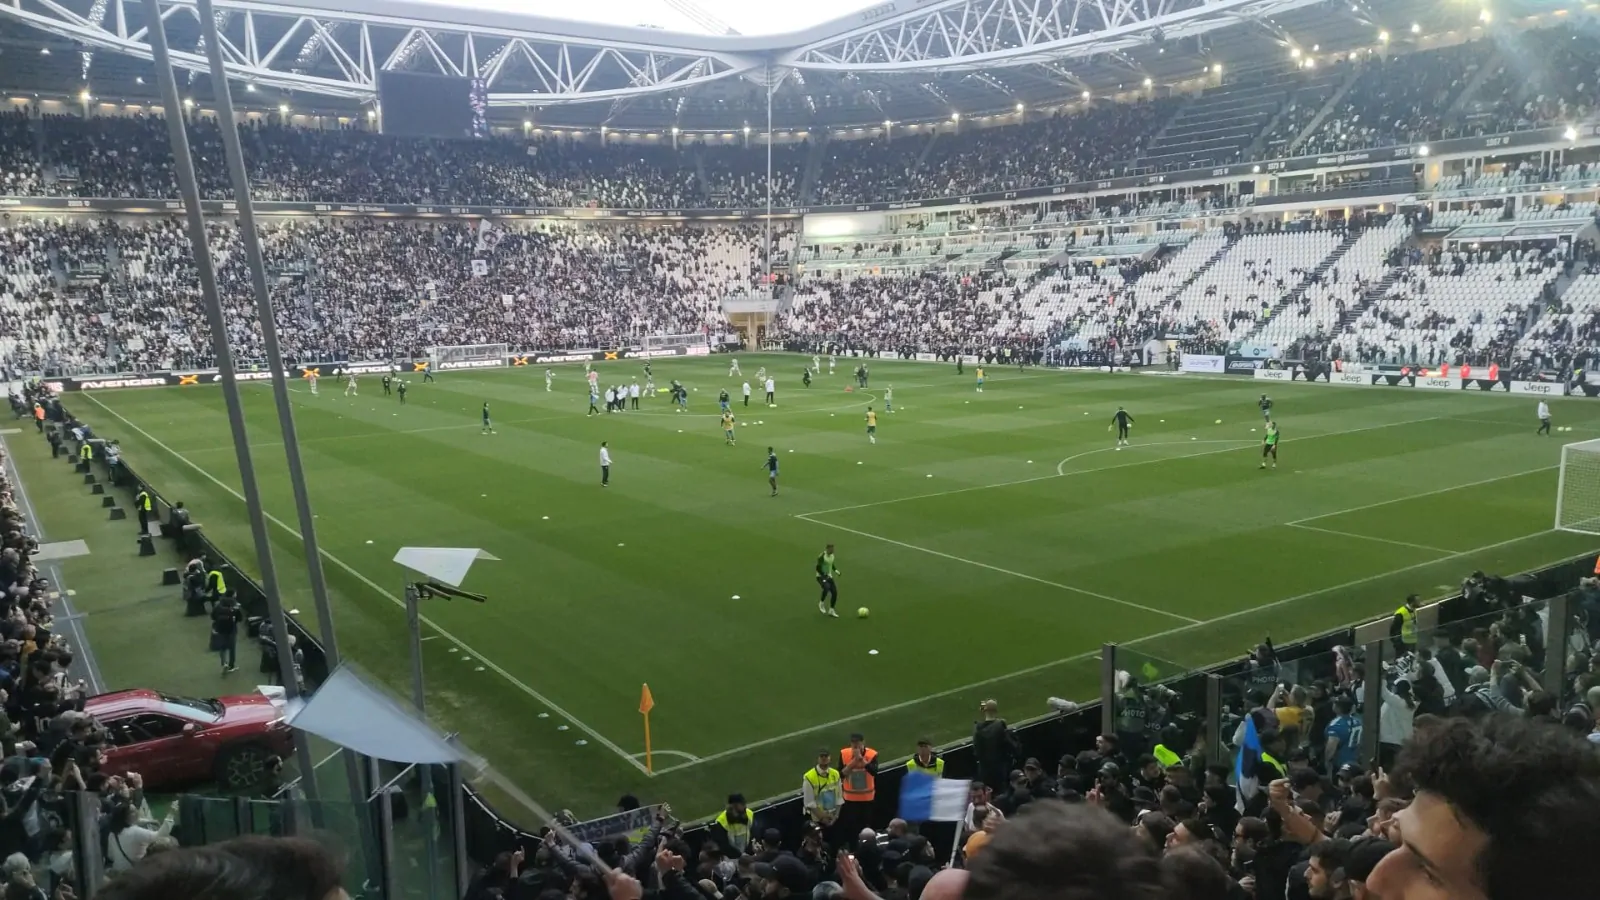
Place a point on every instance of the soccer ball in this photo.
(1219, 421)
(862, 613)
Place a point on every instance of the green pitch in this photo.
(998, 539)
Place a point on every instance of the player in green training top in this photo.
(1266, 408)
(1269, 445)
(826, 573)
(488, 428)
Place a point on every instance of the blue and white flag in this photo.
(924, 798)
(1247, 765)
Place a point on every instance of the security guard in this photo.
(216, 585)
(736, 823)
(85, 453)
(142, 504)
(858, 767)
(927, 761)
(822, 791)
(1403, 627)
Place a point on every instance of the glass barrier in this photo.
(1493, 660)
(1157, 702)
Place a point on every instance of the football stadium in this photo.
(465, 452)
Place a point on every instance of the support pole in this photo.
(768, 255)
(233, 152)
(189, 191)
(428, 815)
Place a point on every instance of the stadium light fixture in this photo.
(675, 129)
(1422, 150)
(1019, 107)
(1217, 68)
(747, 129)
(1255, 170)
(955, 117)
(1383, 37)
(1294, 52)
(139, 79)
(1311, 63)
(44, 51)
(188, 103)
(371, 114)
(1415, 28)
(1570, 134)
(250, 88)
(1148, 82)
(1085, 95)
(1485, 16)
(1316, 48)
(526, 123)
(283, 109)
(84, 95)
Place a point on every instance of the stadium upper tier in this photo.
(1462, 90)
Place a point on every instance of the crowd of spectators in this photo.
(93, 295)
(51, 748)
(1538, 78)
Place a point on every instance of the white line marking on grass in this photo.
(1061, 466)
(1023, 575)
(464, 646)
(1182, 629)
(1142, 462)
(689, 756)
(1443, 490)
(1366, 537)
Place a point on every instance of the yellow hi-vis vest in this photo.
(829, 788)
(1408, 625)
(143, 500)
(936, 770)
(85, 452)
(215, 581)
(1165, 756)
(738, 832)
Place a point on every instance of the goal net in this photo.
(1578, 492)
(695, 343)
(453, 356)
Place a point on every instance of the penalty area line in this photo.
(460, 644)
(1046, 666)
(1014, 574)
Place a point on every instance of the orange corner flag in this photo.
(646, 702)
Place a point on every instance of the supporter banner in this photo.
(1351, 379)
(624, 823)
(470, 364)
(1375, 158)
(1538, 388)
(1438, 383)
(1274, 375)
(1241, 365)
(1193, 362)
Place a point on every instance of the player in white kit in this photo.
(311, 379)
(350, 385)
(733, 368)
(549, 376)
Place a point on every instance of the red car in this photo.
(173, 741)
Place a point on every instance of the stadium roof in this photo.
(899, 60)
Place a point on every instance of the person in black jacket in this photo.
(993, 745)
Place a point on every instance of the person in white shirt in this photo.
(311, 379)
(733, 368)
(1544, 418)
(832, 361)
(605, 465)
(816, 363)
(549, 376)
(611, 399)
(888, 399)
(633, 393)
(771, 386)
(127, 842)
(1396, 721)
(747, 393)
(350, 385)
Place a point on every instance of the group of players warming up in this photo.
(1122, 422)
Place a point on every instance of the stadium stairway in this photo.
(1166, 301)
(1327, 109)
(1298, 293)
(701, 181)
(1215, 127)
(813, 170)
(1378, 291)
(922, 158)
(1485, 70)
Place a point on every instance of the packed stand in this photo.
(926, 312)
(49, 319)
(1397, 100)
(737, 176)
(52, 748)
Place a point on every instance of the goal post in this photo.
(453, 356)
(687, 342)
(1578, 489)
